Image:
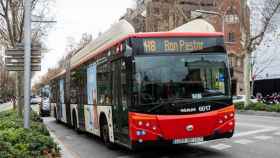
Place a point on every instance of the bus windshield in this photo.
(169, 77)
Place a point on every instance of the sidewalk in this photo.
(65, 152)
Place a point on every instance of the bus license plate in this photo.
(188, 140)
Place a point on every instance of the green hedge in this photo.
(17, 142)
(258, 107)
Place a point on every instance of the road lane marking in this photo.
(199, 143)
(277, 133)
(220, 146)
(263, 137)
(243, 141)
(252, 117)
(253, 125)
(255, 132)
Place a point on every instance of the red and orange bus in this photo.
(148, 88)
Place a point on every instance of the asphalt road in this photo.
(255, 137)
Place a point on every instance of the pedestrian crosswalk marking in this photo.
(199, 143)
(242, 134)
(220, 146)
(263, 137)
(243, 141)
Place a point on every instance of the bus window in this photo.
(104, 96)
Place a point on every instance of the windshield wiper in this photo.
(172, 102)
(169, 103)
(161, 104)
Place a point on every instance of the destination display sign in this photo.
(172, 45)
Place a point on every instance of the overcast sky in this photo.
(93, 16)
(267, 55)
(77, 17)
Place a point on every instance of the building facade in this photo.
(165, 15)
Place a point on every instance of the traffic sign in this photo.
(21, 68)
(14, 59)
(10, 60)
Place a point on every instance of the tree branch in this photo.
(257, 40)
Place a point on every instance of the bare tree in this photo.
(267, 12)
(45, 79)
(259, 66)
(11, 28)
(73, 47)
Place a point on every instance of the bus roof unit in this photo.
(198, 25)
(118, 31)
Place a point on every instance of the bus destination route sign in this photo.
(177, 45)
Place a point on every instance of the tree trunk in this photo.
(247, 89)
(19, 93)
(252, 87)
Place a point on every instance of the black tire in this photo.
(105, 134)
(230, 134)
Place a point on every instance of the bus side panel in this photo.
(73, 112)
(107, 110)
(89, 121)
(90, 110)
(81, 117)
(61, 106)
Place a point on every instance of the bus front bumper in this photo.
(137, 145)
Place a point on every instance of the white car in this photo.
(35, 100)
(241, 98)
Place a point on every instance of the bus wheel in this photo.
(105, 134)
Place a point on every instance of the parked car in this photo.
(241, 98)
(35, 100)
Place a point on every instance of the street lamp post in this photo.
(214, 13)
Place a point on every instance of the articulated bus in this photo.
(138, 89)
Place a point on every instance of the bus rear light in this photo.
(140, 123)
(147, 124)
(144, 127)
(221, 121)
(231, 114)
(231, 123)
(226, 117)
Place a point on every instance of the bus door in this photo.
(120, 100)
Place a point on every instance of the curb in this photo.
(65, 152)
(259, 113)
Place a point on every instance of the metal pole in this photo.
(27, 54)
